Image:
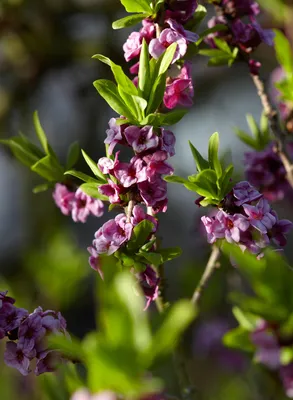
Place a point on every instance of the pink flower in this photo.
(14, 357)
(112, 191)
(154, 191)
(141, 139)
(129, 174)
(133, 44)
(179, 91)
(63, 198)
(260, 216)
(85, 205)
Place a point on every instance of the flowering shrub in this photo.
(126, 250)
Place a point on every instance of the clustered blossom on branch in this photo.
(179, 89)
(247, 36)
(76, 203)
(269, 341)
(264, 170)
(246, 218)
(27, 334)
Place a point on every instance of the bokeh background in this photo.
(45, 65)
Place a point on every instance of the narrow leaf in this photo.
(213, 154)
(130, 20)
(200, 162)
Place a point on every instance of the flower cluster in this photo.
(245, 35)
(179, 89)
(76, 203)
(265, 170)
(142, 176)
(269, 343)
(27, 334)
(246, 218)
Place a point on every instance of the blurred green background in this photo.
(45, 64)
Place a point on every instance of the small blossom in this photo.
(179, 91)
(107, 165)
(245, 193)
(156, 165)
(132, 47)
(114, 135)
(141, 139)
(140, 215)
(112, 190)
(11, 317)
(280, 229)
(254, 67)
(154, 191)
(167, 142)
(95, 261)
(233, 225)
(129, 174)
(63, 198)
(260, 215)
(149, 282)
(240, 8)
(14, 357)
(85, 205)
(30, 330)
(48, 361)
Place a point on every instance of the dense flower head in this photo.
(179, 89)
(77, 203)
(248, 220)
(240, 8)
(28, 336)
(265, 171)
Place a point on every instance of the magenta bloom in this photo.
(175, 34)
(140, 215)
(63, 198)
(149, 282)
(133, 44)
(141, 139)
(260, 216)
(233, 225)
(95, 261)
(179, 91)
(280, 229)
(245, 193)
(114, 135)
(112, 191)
(181, 10)
(85, 205)
(156, 165)
(107, 165)
(167, 142)
(240, 8)
(14, 357)
(129, 174)
(154, 191)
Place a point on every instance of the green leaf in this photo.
(205, 183)
(200, 162)
(216, 28)
(213, 53)
(140, 234)
(246, 320)
(238, 338)
(94, 167)
(198, 16)
(91, 189)
(158, 119)
(83, 177)
(130, 20)
(221, 60)
(213, 154)
(175, 179)
(283, 51)
(167, 58)
(222, 45)
(22, 151)
(246, 138)
(41, 134)
(157, 94)
(286, 355)
(126, 84)
(151, 258)
(41, 188)
(70, 347)
(170, 253)
(108, 90)
(48, 168)
(73, 155)
(178, 318)
(144, 78)
(137, 6)
(253, 127)
(225, 181)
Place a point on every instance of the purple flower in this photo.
(181, 10)
(167, 142)
(133, 44)
(52, 321)
(11, 316)
(14, 357)
(149, 282)
(254, 67)
(260, 216)
(249, 36)
(111, 190)
(286, 375)
(48, 361)
(156, 165)
(154, 191)
(233, 225)
(141, 139)
(160, 206)
(95, 261)
(114, 134)
(63, 198)
(245, 193)
(107, 165)
(129, 174)
(240, 8)
(268, 349)
(179, 91)
(175, 34)
(5, 299)
(30, 330)
(85, 205)
(280, 229)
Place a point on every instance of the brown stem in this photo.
(280, 137)
(208, 272)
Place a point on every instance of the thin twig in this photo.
(280, 137)
(129, 209)
(209, 269)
